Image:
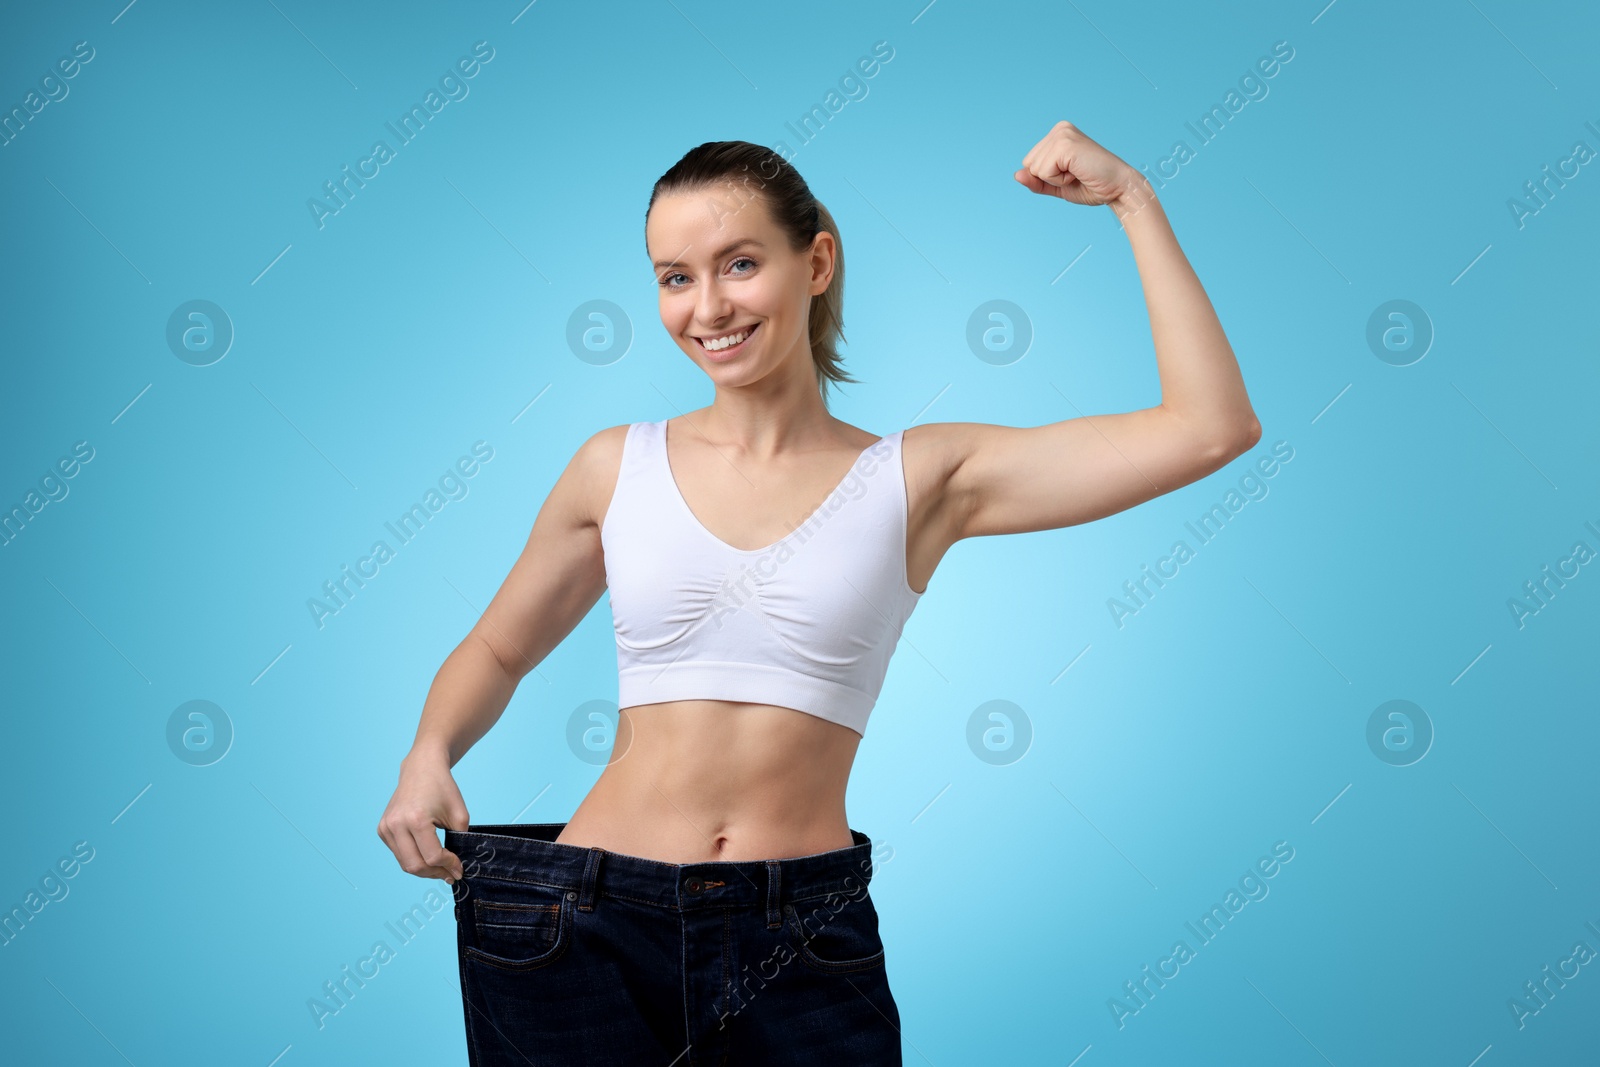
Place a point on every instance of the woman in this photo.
(707, 902)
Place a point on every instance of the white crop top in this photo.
(808, 622)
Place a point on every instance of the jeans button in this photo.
(693, 885)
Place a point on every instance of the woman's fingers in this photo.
(425, 800)
(436, 856)
(1036, 184)
(409, 841)
(1069, 164)
(1029, 179)
(400, 842)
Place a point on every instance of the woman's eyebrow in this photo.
(719, 252)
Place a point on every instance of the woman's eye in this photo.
(745, 259)
(667, 281)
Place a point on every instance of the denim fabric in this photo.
(573, 955)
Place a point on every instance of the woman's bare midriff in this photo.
(697, 780)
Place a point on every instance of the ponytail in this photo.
(826, 325)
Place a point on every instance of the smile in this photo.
(727, 342)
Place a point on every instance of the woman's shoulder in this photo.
(585, 487)
(602, 450)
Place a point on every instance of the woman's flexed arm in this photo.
(1006, 479)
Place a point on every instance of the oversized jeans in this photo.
(574, 955)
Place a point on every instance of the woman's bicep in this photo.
(1013, 479)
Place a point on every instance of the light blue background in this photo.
(1227, 715)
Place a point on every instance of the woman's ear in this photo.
(823, 249)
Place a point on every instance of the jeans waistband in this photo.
(528, 852)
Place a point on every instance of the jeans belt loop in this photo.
(591, 874)
(774, 917)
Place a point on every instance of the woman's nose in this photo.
(713, 306)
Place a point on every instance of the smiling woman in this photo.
(737, 211)
(762, 559)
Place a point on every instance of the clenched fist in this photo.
(1069, 164)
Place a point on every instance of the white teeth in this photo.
(718, 344)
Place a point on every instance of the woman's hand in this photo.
(1068, 164)
(426, 798)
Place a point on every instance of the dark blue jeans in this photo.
(574, 955)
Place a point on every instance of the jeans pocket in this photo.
(518, 927)
(835, 940)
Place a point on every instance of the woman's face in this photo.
(724, 269)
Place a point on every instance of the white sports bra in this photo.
(808, 622)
